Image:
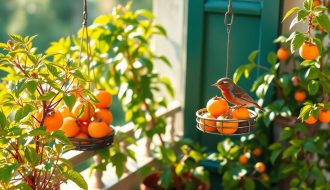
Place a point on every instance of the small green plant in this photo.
(31, 90)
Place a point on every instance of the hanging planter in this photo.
(94, 125)
(220, 119)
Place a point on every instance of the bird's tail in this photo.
(260, 108)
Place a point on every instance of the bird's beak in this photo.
(215, 84)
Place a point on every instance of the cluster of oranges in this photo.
(323, 117)
(259, 166)
(218, 108)
(307, 51)
(85, 121)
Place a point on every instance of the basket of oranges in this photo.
(88, 126)
(218, 118)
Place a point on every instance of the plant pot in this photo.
(152, 182)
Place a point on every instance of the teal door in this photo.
(255, 26)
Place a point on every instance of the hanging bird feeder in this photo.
(226, 124)
(88, 144)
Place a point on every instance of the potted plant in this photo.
(31, 90)
(300, 84)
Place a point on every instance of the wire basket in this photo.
(89, 144)
(228, 127)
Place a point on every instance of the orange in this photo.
(283, 54)
(257, 152)
(103, 115)
(243, 159)
(300, 95)
(70, 127)
(227, 127)
(309, 51)
(217, 106)
(65, 112)
(311, 120)
(52, 122)
(260, 167)
(316, 3)
(104, 98)
(241, 113)
(98, 129)
(324, 115)
(110, 131)
(208, 122)
(81, 136)
(88, 111)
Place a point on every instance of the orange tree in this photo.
(31, 90)
(123, 63)
(300, 84)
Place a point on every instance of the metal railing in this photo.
(78, 157)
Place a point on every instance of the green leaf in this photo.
(69, 100)
(168, 155)
(308, 4)
(3, 120)
(118, 160)
(323, 20)
(274, 155)
(31, 85)
(302, 15)
(76, 178)
(166, 178)
(286, 133)
(23, 112)
(272, 58)
(145, 13)
(297, 41)
(78, 74)
(275, 146)
(319, 44)
(167, 83)
(290, 12)
(281, 39)
(59, 135)
(312, 73)
(47, 95)
(7, 171)
(313, 87)
(52, 69)
(40, 131)
(31, 155)
(253, 55)
(291, 151)
(246, 69)
(249, 184)
(16, 37)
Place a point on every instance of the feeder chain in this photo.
(228, 21)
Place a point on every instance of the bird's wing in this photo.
(240, 93)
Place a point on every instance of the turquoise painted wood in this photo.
(256, 25)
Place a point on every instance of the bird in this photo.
(235, 95)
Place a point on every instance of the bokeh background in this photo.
(52, 19)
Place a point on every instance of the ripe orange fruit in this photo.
(70, 127)
(316, 3)
(243, 159)
(87, 113)
(104, 98)
(227, 127)
(65, 112)
(52, 122)
(300, 95)
(208, 122)
(98, 129)
(283, 54)
(257, 152)
(241, 113)
(324, 115)
(103, 115)
(260, 167)
(309, 51)
(81, 136)
(110, 131)
(311, 120)
(217, 106)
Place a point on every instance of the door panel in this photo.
(255, 27)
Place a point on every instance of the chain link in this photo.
(228, 21)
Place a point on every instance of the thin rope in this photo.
(228, 24)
